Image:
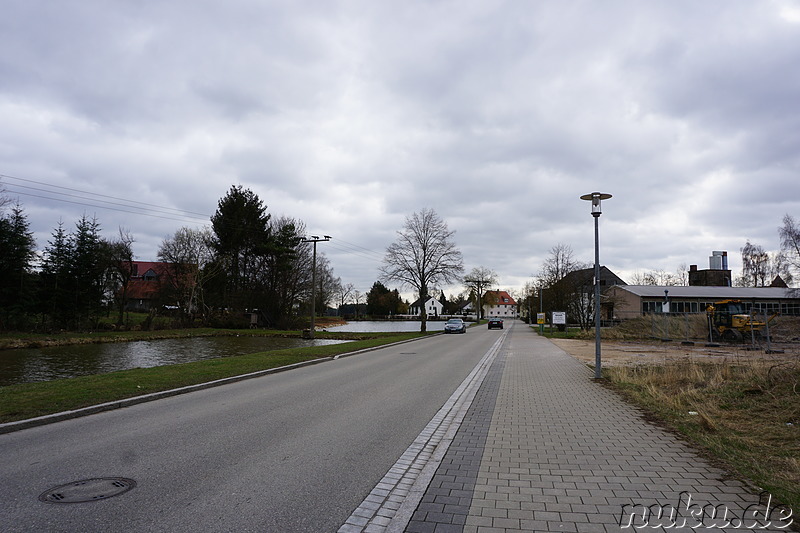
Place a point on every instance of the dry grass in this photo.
(739, 404)
(745, 412)
(687, 327)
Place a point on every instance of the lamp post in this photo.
(595, 198)
(315, 239)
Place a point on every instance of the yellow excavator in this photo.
(728, 321)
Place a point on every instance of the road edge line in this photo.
(392, 502)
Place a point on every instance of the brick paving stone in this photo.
(463, 458)
(545, 448)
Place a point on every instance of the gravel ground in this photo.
(659, 352)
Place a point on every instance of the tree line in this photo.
(246, 261)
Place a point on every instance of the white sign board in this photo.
(559, 317)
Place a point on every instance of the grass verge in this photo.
(29, 400)
(569, 333)
(745, 413)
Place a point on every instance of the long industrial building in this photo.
(621, 302)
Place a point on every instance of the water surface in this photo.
(372, 326)
(45, 364)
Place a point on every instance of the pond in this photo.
(371, 326)
(45, 364)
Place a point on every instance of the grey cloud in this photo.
(351, 116)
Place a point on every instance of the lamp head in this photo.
(595, 198)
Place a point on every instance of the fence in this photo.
(695, 326)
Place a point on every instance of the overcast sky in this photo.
(352, 115)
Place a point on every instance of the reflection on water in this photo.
(369, 326)
(28, 365)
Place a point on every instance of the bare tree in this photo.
(682, 275)
(660, 278)
(344, 292)
(558, 264)
(327, 284)
(790, 244)
(760, 268)
(755, 265)
(4, 199)
(120, 270)
(478, 279)
(423, 255)
(357, 295)
(190, 262)
(565, 286)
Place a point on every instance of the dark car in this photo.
(455, 325)
(495, 323)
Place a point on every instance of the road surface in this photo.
(290, 452)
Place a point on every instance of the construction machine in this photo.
(728, 321)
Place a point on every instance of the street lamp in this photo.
(595, 198)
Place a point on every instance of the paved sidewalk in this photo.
(545, 448)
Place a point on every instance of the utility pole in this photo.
(315, 239)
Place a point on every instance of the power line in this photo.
(147, 206)
(123, 205)
(101, 207)
(141, 210)
(355, 248)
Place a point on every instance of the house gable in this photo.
(499, 303)
(432, 307)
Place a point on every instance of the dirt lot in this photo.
(657, 352)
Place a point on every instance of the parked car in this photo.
(495, 323)
(455, 325)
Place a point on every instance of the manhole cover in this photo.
(88, 490)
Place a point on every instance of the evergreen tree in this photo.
(88, 268)
(242, 237)
(286, 271)
(16, 283)
(377, 300)
(57, 282)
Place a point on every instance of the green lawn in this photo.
(20, 402)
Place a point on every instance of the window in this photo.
(652, 307)
(792, 309)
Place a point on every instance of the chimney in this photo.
(718, 261)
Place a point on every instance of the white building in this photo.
(433, 307)
(499, 304)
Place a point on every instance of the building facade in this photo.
(629, 301)
(499, 304)
(433, 307)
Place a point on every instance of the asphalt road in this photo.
(294, 451)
